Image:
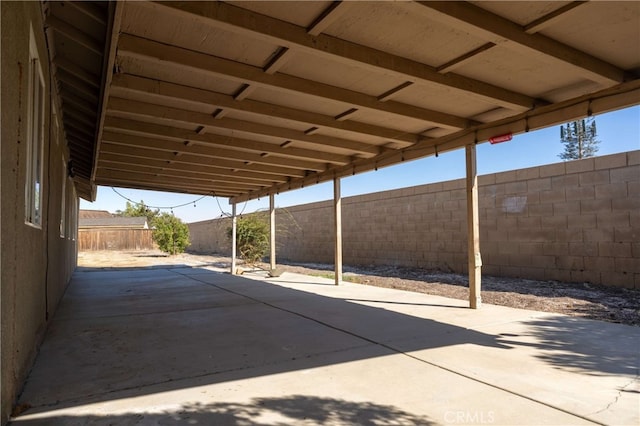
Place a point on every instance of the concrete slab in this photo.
(196, 346)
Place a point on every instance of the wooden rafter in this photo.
(327, 17)
(244, 22)
(280, 133)
(495, 29)
(551, 17)
(141, 174)
(219, 141)
(241, 167)
(164, 55)
(156, 143)
(209, 170)
(159, 92)
(171, 170)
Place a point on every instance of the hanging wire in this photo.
(223, 213)
(164, 207)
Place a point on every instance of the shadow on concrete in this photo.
(604, 301)
(583, 345)
(435, 305)
(289, 410)
(138, 331)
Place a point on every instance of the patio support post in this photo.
(272, 232)
(337, 214)
(234, 231)
(473, 229)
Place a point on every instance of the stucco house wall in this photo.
(36, 262)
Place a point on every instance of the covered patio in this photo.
(190, 344)
(244, 100)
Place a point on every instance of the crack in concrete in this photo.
(616, 398)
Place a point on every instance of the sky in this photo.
(618, 131)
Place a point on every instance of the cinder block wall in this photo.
(210, 236)
(575, 221)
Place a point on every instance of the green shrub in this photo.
(252, 237)
(170, 233)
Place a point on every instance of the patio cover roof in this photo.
(244, 99)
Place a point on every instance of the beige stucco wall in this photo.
(573, 221)
(36, 264)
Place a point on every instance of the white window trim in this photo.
(63, 201)
(74, 220)
(35, 134)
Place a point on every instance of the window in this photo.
(74, 215)
(63, 198)
(35, 136)
(68, 208)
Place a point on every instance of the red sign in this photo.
(501, 138)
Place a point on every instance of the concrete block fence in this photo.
(576, 221)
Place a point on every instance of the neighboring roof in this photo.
(93, 214)
(252, 98)
(114, 222)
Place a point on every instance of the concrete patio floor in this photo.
(192, 345)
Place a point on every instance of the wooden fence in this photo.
(115, 239)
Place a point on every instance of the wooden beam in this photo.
(159, 92)
(328, 16)
(473, 229)
(496, 29)
(621, 96)
(395, 91)
(75, 34)
(155, 141)
(158, 54)
(461, 60)
(234, 240)
(272, 232)
(169, 170)
(160, 177)
(87, 122)
(221, 173)
(278, 61)
(76, 70)
(108, 66)
(551, 18)
(347, 115)
(69, 97)
(78, 84)
(168, 115)
(91, 9)
(337, 221)
(165, 187)
(245, 22)
(243, 93)
(81, 129)
(239, 165)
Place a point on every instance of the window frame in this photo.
(34, 185)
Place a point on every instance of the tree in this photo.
(139, 210)
(252, 237)
(170, 233)
(579, 138)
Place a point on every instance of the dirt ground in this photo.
(585, 300)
